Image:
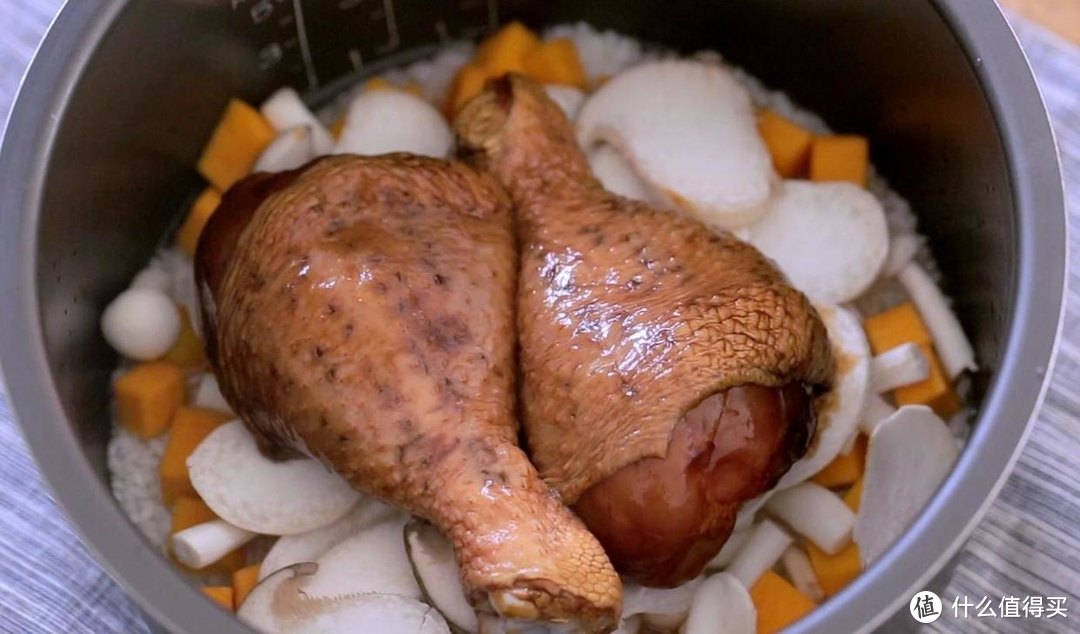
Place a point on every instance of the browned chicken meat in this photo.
(668, 371)
(361, 310)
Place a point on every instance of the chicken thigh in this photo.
(668, 371)
(360, 310)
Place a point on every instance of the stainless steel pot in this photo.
(99, 151)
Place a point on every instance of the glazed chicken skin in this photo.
(361, 310)
(668, 371)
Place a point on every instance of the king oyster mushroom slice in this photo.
(721, 605)
(909, 455)
(437, 573)
(658, 604)
(830, 239)
(280, 604)
(617, 175)
(309, 546)
(289, 150)
(839, 409)
(688, 128)
(252, 492)
(384, 121)
(373, 560)
(285, 110)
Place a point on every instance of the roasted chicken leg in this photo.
(361, 310)
(668, 371)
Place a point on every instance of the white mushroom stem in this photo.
(875, 410)
(801, 572)
(721, 606)
(816, 513)
(903, 365)
(763, 548)
(202, 545)
(731, 547)
(952, 344)
(902, 249)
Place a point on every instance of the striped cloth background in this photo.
(1028, 544)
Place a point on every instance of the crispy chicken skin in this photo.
(667, 370)
(361, 310)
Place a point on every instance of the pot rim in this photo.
(1015, 395)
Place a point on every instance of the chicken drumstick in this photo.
(361, 310)
(668, 370)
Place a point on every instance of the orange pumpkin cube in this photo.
(221, 595)
(187, 352)
(190, 425)
(556, 62)
(505, 51)
(844, 469)
(467, 84)
(239, 138)
(788, 143)
(834, 571)
(244, 580)
(201, 210)
(840, 158)
(148, 396)
(778, 603)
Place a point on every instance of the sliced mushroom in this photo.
(372, 560)
(250, 491)
(203, 544)
(153, 277)
(875, 410)
(289, 150)
(763, 548)
(688, 128)
(722, 605)
(653, 603)
(437, 573)
(309, 546)
(385, 121)
(731, 547)
(902, 249)
(797, 565)
(816, 513)
(839, 410)
(903, 365)
(909, 456)
(830, 239)
(617, 175)
(950, 340)
(281, 605)
(285, 110)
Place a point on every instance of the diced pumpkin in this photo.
(378, 83)
(778, 603)
(244, 580)
(898, 325)
(556, 62)
(834, 571)
(191, 511)
(853, 497)
(188, 511)
(844, 469)
(936, 391)
(413, 88)
(190, 425)
(468, 83)
(903, 324)
(788, 143)
(221, 595)
(239, 138)
(199, 214)
(187, 352)
(840, 158)
(148, 396)
(505, 51)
